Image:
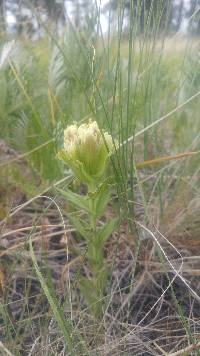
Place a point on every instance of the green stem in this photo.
(95, 260)
(93, 225)
(95, 254)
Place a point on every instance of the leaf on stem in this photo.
(101, 199)
(76, 199)
(80, 226)
(106, 231)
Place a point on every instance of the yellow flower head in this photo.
(86, 150)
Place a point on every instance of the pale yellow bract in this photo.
(86, 150)
(75, 135)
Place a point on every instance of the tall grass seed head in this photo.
(86, 150)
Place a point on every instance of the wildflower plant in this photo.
(87, 151)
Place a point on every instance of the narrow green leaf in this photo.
(80, 226)
(76, 199)
(102, 197)
(88, 290)
(63, 323)
(3, 93)
(106, 231)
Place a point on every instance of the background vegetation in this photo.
(139, 78)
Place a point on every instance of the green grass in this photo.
(143, 90)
